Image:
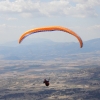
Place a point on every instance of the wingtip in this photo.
(19, 41)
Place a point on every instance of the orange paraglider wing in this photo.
(51, 28)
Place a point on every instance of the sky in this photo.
(18, 16)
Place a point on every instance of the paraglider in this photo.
(51, 28)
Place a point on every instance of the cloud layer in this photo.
(75, 8)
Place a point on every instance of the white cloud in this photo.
(26, 15)
(54, 7)
(11, 18)
(95, 27)
(86, 8)
(88, 2)
(93, 31)
(83, 8)
(2, 25)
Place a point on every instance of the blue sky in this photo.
(18, 16)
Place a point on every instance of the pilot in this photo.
(46, 82)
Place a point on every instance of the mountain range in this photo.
(44, 49)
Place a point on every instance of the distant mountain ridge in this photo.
(44, 49)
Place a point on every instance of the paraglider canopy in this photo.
(51, 28)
